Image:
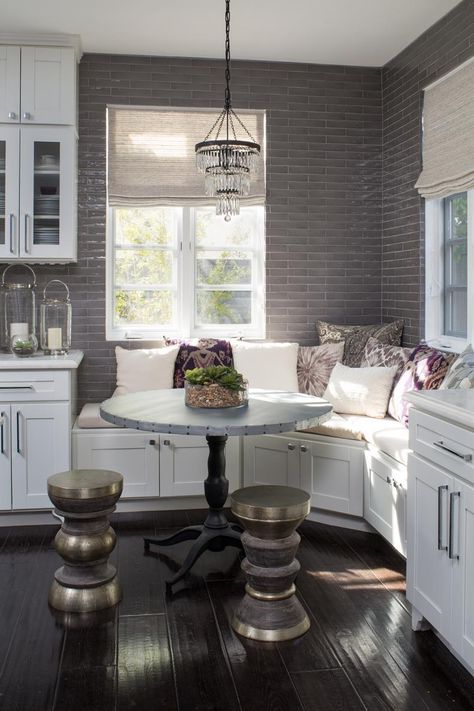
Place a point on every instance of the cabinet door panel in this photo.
(132, 454)
(385, 501)
(9, 199)
(334, 476)
(48, 86)
(429, 569)
(5, 459)
(9, 84)
(463, 580)
(183, 464)
(40, 447)
(47, 188)
(271, 460)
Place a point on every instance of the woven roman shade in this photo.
(151, 158)
(448, 135)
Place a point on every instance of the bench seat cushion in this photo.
(387, 434)
(89, 417)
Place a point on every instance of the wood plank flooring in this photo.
(162, 652)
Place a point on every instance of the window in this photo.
(184, 271)
(173, 267)
(455, 265)
(449, 270)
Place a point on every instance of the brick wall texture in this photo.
(338, 138)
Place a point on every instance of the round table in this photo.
(267, 412)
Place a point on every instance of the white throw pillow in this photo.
(360, 391)
(271, 366)
(145, 368)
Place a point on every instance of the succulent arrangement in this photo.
(216, 386)
(221, 375)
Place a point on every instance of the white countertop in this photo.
(39, 361)
(453, 405)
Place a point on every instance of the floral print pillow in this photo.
(461, 372)
(315, 365)
(356, 337)
(425, 370)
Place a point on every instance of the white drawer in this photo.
(33, 385)
(445, 444)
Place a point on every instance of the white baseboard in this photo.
(342, 520)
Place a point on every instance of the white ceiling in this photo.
(352, 32)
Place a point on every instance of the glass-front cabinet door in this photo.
(9, 181)
(47, 219)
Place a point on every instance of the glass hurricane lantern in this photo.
(55, 322)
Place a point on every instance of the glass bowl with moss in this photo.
(214, 387)
(24, 346)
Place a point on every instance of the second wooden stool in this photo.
(270, 610)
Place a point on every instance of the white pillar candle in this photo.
(55, 339)
(18, 329)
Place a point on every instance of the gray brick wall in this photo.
(444, 46)
(323, 178)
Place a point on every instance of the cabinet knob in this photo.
(152, 441)
(166, 442)
(12, 115)
(389, 480)
(291, 447)
(26, 115)
(303, 448)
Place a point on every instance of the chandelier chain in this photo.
(228, 103)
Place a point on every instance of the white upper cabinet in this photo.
(9, 84)
(37, 85)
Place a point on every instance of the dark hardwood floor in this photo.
(179, 653)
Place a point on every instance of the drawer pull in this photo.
(440, 517)
(2, 426)
(466, 457)
(452, 497)
(303, 448)
(291, 447)
(18, 432)
(15, 388)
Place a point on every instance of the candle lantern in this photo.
(55, 321)
(18, 307)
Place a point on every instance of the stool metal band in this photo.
(270, 596)
(276, 635)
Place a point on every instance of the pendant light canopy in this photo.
(226, 161)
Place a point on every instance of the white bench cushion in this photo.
(387, 434)
(337, 426)
(89, 417)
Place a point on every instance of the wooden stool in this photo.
(85, 498)
(270, 610)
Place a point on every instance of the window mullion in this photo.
(187, 261)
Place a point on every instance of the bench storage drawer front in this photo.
(446, 444)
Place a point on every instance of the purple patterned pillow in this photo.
(425, 370)
(315, 364)
(200, 353)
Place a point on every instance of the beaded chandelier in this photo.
(227, 163)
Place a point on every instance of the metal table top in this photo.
(267, 412)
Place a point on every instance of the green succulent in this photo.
(221, 374)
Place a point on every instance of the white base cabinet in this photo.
(333, 473)
(440, 561)
(36, 412)
(152, 464)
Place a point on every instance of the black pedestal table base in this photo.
(216, 533)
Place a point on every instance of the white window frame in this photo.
(186, 289)
(434, 276)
